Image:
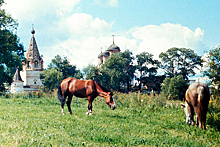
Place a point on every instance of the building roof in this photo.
(100, 55)
(33, 52)
(17, 76)
(106, 53)
(113, 47)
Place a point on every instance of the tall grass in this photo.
(34, 119)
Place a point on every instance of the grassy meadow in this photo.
(34, 119)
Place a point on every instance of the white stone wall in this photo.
(31, 78)
(17, 87)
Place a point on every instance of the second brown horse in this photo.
(84, 89)
(197, 100)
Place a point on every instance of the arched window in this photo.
(36, 64)
(28, 64)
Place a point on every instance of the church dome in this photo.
(113, 47)
(106, 53)
(100, 55)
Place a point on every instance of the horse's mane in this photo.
(103, 88)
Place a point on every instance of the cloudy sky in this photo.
(79, 29)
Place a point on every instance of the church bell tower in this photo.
(33, 66)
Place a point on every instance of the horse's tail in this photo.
(200, 91)
(59, 93)
(200, 103)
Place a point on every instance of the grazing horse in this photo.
(197, 99)
(84, 89)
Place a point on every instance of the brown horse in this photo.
(197, 99)
(84, 89)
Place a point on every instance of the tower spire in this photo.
(34, 60)
(113, 38)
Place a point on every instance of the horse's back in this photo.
(197, 92)
(79, 88)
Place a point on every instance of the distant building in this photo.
(29, 78)
(103, 56)
(17, 85)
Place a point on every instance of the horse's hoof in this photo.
(89, 113)
(70, 113)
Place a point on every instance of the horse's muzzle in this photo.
(113, 107)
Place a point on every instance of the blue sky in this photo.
(79, 29)
(137, 13)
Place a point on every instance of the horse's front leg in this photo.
(89, 111)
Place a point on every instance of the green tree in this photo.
(64, 66)
(213, 68)
(128, 69)
(180, 61)
(174, 88)
(146, 65)
(51, 78)
(78, 75)
(11, 51)
(112, 71)
(92, 72)
(58, 70)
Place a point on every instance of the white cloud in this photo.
(59, 30)
(113, 3)
(105, 3)
(156, 39)
(36, 9)
(79, 36)
(81, 25)
(85, 51)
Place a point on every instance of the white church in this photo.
(29, 78)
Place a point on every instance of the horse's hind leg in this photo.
(192, 115)
(62, 105)
(68, 102)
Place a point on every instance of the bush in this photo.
(214, 112)
(174, 88)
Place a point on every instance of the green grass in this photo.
(138, 120)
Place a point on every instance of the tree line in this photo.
(118, 71)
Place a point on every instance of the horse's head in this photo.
(110, 100)
(187, 112)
